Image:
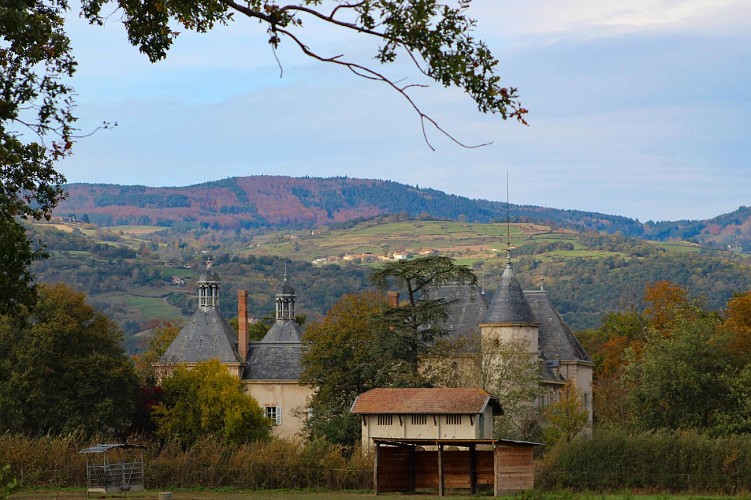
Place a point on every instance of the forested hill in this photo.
(287, 202)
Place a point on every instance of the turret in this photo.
(285, 301)
(208, 288)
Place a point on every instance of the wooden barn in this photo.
(409, 465)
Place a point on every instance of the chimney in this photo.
(242, 324)
(393, 298)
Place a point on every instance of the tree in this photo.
(511, 373)
(34, 104)
(339, 362)
(36, 58)
(62, 368)
(415, 324)
(436, 37)
(619, 334)
(678, 381)
(8, 483)
(208, 400)
(566, 417)
(738, 322)
(664, 301)
(17, 255)
(37, 61)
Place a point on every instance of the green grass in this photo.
(678, 246)
(138, 230)
(153, 307)
(80, 494)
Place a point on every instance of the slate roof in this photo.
(425, 401)
(286, 331)
(206, 336)
(508, 305)
(555, 339)
(513, 305)
(465, 310)
(273, 361)
(209, 275)
(285, 288)
(277, 356)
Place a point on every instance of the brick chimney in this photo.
(242, 324)
(393, 298)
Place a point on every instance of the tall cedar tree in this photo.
(415, 323)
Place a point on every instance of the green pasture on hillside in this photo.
(137, 230)
(151, 307)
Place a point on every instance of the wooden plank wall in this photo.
(455, 469)
(393, 469)
(515, 469)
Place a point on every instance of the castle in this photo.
(270, 368)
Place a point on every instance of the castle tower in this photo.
(207, 335)
(285, 301)
(208, 288)
(509, 315)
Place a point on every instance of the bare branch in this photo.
(371, 74)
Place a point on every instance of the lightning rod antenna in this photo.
(508, 224)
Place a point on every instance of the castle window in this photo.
(273, 413)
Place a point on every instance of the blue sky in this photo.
(639, 108)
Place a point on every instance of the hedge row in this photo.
(614, 460)
(54, 461)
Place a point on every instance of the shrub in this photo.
(681, 461)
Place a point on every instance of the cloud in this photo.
(555, 20)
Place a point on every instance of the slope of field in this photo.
(139, 276)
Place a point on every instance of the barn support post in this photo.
(496, 471)
(472, 470)
(441, 491)
(412, 485)
(376, 461)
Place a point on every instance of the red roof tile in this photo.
(429, 401)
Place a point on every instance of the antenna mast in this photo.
(508, 224)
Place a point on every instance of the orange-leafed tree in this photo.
(738, 323)
(665, 300)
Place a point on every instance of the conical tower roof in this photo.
(285, 288)
(509, 306)
(208, 275)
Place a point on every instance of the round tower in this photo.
(509, 316)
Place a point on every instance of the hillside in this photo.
(275, 202)
(139, 275)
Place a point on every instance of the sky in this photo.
(639, 108)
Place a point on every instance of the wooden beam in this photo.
(441, 491)
(496, 472)
(412, 472)
(376, 490)
(472, 470)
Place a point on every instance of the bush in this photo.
(613, 460)
(55, 461)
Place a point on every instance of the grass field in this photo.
(80, 494)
